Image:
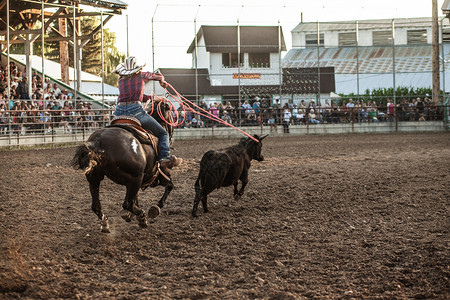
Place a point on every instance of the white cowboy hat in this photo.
(128, 67)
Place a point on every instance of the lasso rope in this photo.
(185, 103)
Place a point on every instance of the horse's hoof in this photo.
(154, 211)
(142, 219)
(104, 226)
(143, 224)
(126, 215)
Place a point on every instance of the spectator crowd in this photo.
(260, 112)
(43, 109)
(45, 106)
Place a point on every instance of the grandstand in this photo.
(373, 57)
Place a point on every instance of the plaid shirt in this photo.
(131, 88)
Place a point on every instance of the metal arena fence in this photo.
(67, 126)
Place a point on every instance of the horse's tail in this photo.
(86, 157)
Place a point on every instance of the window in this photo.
(230, 60)
(311, 40)
(259, 60)
(417, 36)
(347, 39)
(446, 34)
(382, 38)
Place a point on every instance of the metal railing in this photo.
(59, 126)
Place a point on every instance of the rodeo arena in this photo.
(309, 161)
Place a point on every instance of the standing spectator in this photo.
(45, 119)
(22, 89)
(349, 107)
(252, 118)
(56, 112)
(247, 107)
(214, 111)
(350, 103)
(286, 118)
(420, 106)
(264, 111)
(181, 117)
(402, 109)
(272, 119)
(256, 105)
(326, 111)
(390, 109)
(295, 115)
(231, 111)
(14, 94)
(16, 118)
(66, 118)
(4, 119)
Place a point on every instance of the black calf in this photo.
(224, 168)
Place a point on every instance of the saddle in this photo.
(144, 136)
(134, 126)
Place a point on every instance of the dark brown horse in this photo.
(127, 159)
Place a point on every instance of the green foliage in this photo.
(91, 52)
(380, 95)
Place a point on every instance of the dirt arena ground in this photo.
(339, 216)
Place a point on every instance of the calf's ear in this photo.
(262, 137)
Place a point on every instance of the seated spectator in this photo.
(226, 117)
(313, 117)
(197, 122)
(56, 90)
(421, 117)
(372, 115)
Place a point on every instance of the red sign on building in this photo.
(246, 75)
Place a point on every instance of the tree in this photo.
(91, 62)
(91, 52)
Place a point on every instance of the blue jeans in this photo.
(149, 123)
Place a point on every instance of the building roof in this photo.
(370, 59)
(28, 12)
(413, 65)
(253, 39)
(446, 8)
(116, 4)
(378, 24)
